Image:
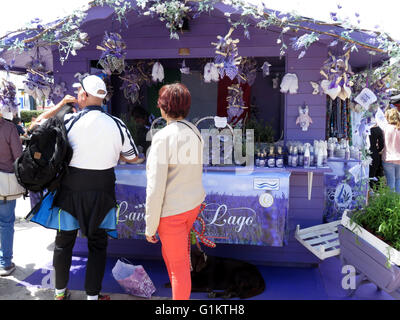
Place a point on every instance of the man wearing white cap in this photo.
(87, 191)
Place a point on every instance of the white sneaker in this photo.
(6, 271)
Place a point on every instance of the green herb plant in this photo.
(382, 214)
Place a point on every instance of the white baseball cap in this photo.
(93, 85)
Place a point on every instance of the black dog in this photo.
(234, 277)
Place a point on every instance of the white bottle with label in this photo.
(307, 155)
(325, 153)
(320, 154)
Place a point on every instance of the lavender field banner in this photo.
(342, 190)
(243, 209)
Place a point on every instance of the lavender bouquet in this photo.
(114, 51)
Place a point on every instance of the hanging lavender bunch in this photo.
(57, 91)
(337, 73)
(133, 79)
(235, 102)
(247, 71)
(114, 51)
(227, 58)
(37, 82)
(130, 85)
(8, 102)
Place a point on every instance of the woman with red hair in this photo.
(174, 190)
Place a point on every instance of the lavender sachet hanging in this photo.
(112, 59)
(227, 59)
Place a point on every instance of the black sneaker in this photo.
(63, 296)
(6, 271)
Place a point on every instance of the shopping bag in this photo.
(133, 279)
(10, 189)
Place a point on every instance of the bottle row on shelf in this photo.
(298, 154)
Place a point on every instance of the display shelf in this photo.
(322, 240)
(309, 169)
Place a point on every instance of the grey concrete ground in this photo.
(33, 250)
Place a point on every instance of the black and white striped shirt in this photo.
(98, 139)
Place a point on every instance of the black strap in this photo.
(190, 128)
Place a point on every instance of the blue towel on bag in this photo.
(58, 219)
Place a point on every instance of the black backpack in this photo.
(45, 159)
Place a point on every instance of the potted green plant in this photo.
(370, 239)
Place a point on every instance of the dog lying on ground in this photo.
(234, 278)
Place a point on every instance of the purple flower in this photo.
(357, 14)
(339, 6)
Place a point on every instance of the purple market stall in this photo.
(249, 215)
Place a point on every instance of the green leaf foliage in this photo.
(382, 215)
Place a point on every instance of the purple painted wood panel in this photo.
(306, 69)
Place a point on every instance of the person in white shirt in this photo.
(174, 190)
(87, 191)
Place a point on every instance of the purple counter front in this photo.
(242, 206)
(247, 214)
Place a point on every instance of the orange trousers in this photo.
(174, 235)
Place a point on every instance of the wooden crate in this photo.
(322, 240)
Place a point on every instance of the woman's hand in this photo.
(152, 239)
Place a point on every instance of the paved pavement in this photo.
(33, 250)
